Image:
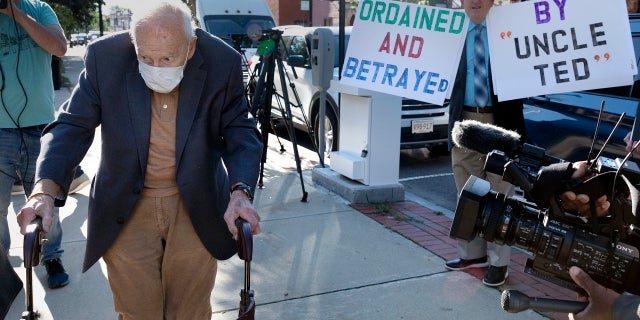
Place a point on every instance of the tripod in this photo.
(237, 40)
(263, 97)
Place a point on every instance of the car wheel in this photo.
(438, 150)
(331, 131)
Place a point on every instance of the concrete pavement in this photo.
(322, 259)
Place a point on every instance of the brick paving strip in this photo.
(430, 230)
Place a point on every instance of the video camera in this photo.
(606, 247)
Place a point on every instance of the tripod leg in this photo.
(261, 107)
(257, 110)
(292, 132)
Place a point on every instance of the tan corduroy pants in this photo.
(158, 267)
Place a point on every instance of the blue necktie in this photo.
(480, 69)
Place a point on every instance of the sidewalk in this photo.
(323, 259)
(430, 230)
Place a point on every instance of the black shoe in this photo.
(58, 277)
(461, 264)
(495, 276)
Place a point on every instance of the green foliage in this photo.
(95, 21)
(382, 207)
(81, 11)
(65, 16)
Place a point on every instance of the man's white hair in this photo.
(161, 10)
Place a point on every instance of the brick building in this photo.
(310, 12)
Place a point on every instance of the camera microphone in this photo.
(484, 138)
(515, 301)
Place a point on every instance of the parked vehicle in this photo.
(239, 20)
(423, 124)
(564, 124)
(92, 35)
(78, 39)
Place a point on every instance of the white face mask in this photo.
(162, 79)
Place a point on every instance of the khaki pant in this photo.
(464, 164)
(158, 267)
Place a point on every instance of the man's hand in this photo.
(240, 206)
(50, 38)
(11, 7)
(40, 205)
(600, 298)
(580, 202)
(629, 142)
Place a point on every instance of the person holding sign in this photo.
(632, 6)
(472, 98)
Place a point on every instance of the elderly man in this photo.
(180, 156)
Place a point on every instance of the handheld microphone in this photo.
(515, 301)
(484, 138)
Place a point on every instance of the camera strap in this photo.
(634, 194)
(549, 180)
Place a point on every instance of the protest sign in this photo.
(552, 46)
(405, 49)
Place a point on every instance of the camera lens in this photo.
(512, 223)
(495, 217)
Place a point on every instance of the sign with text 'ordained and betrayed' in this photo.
(405, 49)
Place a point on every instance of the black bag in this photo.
(9, 282)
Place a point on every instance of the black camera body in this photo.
(605, 248)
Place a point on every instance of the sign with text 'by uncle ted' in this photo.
(551, 46)
(405, 49)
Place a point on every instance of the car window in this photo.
(623, 91)
(283, 45)
(626, 91)
(298, 46)
(224, 26)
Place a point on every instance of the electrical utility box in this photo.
(322, 58)
(369, 145)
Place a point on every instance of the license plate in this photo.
(421, 126)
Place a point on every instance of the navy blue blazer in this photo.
(217, 141)
(507, 114)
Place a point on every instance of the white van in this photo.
(238, 22)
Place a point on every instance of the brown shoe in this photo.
(461, 264)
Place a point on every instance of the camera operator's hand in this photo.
(600, 298)
(580, 202)
(630, 143)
